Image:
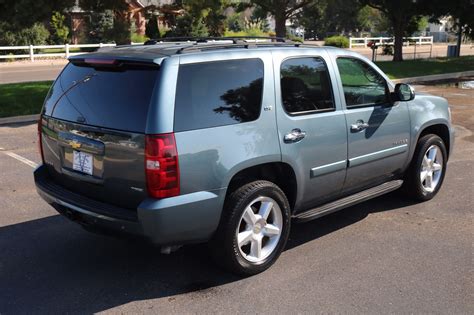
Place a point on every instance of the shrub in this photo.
(137, 38)
(337, 41)
(247, 32)
(295, 38)
(387, 50)
(60, 30)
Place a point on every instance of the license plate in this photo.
(82, 162)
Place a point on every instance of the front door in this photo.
(377, 130)
(311, 126)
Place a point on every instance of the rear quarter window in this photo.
(100, 97)
(218, 93)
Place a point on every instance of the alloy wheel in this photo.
(259, 229)
(431, 168)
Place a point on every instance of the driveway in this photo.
(387, 255)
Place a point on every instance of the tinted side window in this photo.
(305, 85)
(218, 93)
(361, 83)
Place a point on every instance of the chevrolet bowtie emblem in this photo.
(74, 144)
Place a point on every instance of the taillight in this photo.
(161, 165)
(40, 136)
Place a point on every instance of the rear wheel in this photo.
(426, 173)
(254, 228)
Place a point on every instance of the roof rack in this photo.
(234, 39)
(193, 44)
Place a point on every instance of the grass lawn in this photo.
(22, 98)
(58, 50)
(417, 68)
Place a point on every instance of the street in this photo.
(387, 255)
(27, 71)
(49, 69)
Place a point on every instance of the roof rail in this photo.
(212, 46)
(234, 39)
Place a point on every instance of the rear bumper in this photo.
(183, 219)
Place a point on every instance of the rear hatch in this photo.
(93, 125)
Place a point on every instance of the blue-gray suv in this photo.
(228, 141)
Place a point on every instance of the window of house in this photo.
(305, 85)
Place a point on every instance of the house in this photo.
(440, 31)
(135, 13)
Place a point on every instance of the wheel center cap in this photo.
(257, 228)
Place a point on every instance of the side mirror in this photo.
(404, 92)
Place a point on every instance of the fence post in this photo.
(67, 51)
(350, 42)
(101, 45)
(419, 40)
(365, 42)
(32, 58)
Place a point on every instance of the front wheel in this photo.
(426, 173)
(253, 230)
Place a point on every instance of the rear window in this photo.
(103, 97)
(218, 93)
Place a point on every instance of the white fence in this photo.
(363, 41)
(32, 55)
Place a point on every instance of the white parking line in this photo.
(20, 158)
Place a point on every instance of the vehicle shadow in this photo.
(51, 265)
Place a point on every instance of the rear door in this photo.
(311, 124)
(377, 130)
(94, 119)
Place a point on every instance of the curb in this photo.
(19, 119)
(435, 77)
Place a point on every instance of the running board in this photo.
(348, 201)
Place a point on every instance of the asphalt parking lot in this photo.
(388, 255)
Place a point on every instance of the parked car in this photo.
(230, 142)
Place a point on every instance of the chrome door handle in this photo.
(295, 135)
(359, 126)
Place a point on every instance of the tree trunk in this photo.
(398, 44)
(458, 43)
(280, 27)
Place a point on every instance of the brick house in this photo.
(135, 13)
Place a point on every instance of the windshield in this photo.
(103, 97)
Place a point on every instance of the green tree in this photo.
(403, 16)
(329, 17)
(461, 11)
(282, 10)
(151, 28)
(373, 21)
(109, 20)
(22, 14)
(100, 28)
(200, 18)
(189, 26)
(60, 30)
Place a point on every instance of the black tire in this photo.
(412, 185)
(224, 246)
